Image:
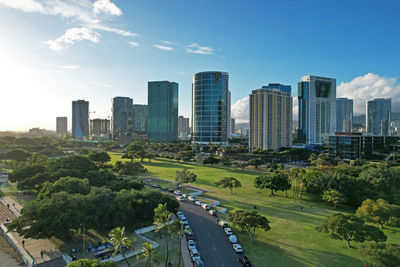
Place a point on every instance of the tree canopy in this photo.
(184, 177)
(378, 211)
(273, 181)
(380, 254)
(229, 182)
(250, 221)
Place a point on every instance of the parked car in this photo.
(164, 188)
(178, 193)
(185, 195)
(187, 228)
(191, 244)
(180, 213)
(190, 236)
(195, 258)
(156, 185)
(194, 252)
(212, 212)
(237, 248)
(198, 203)
(191, 198)
(205, 206)
(233, 239)
(185, 222)
(180, 198)
(228, 231)
(244, 261)
(198, 262)
(182, 218)
(170, 190)
(222, 223)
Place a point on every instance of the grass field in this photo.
(292, 240)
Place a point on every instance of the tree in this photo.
(210, 160)
(184, 177)
(380, 254)
(255, 162)
(70, 185)
(273, 181)
(334, 197)
(148, 252)
(375, 211)
(228, 182)
(37, 159)
(175, 231)
(17, 155)
(161, 220)
(91, 263)
(130, 168)
(250, 221)
(350, 228)
(100, 158)
(129, 155)
(120, 242)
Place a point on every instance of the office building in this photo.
(271, 118)
(359, 145)
(378, 116)
(183, 127)
(122, 116)
(344, 115)
(140, 118)
(232, 125)
(162, 118)
(80, 119)
(317, 109)
(61, 126)
(100, 127)
(211, 108)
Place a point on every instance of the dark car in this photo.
(244, 261)
(190, 236)
(170, 190)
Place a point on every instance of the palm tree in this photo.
(148, 252)
(161, 219)
(175, 230)
(120, 242)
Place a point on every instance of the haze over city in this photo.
(53, 52)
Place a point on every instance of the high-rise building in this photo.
(183, 127)
(317, 108)
(100, 126)
(140, 118)
(211, 110)
(271, 117)
(80, 118)
(378, 116)
(61, 126)
(344, 115)
(122, 115)
(232, 125)
(162, 120)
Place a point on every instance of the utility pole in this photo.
(83, 240)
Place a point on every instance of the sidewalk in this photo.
(32, 246)
(185, 253)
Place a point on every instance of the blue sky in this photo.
(57, 51)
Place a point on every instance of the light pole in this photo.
(83, 239)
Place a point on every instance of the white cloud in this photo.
(370, 86)
(169, 43)
(163, 47)
(107, 7)
(133, 43)
(29, 6)
(240, 110)
(70, 67)
(72, 36)
(86, 15)
(182, 73)
(194, 48)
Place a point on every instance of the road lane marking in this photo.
(214, 248)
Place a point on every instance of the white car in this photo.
(233, 239)
(191, 245)
(180, 213)
(185, 195)
(187, 228)
(178, 193)
(198, 203)
(237, 248)
(191, 198)
(184, 222)
(182, 218)
(194, 253)
(179, 198)
(222, 223)
(228, 231)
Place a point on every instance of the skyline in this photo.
(60, 51)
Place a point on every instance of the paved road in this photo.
(211, 241)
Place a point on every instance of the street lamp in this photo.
(83, 241)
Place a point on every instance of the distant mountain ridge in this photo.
(360, 119)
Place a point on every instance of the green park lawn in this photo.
(292, 240)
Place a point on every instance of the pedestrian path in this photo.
(185, 254)
(42, 251)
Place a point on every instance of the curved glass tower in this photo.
(211, 107)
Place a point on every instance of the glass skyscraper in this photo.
(162, 118)
(378, 116)
(61, 126)
(271, 117)
(211, 110)
(317, 108)
(344, 115)
(140, 118)
(80, 118)
(122, 116)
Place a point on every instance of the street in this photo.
(211, 241)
